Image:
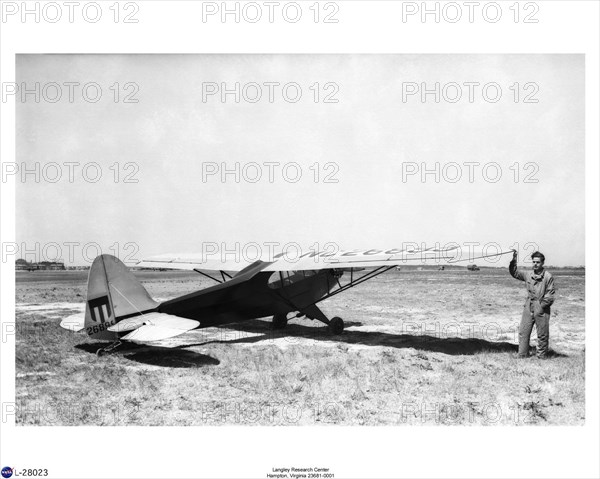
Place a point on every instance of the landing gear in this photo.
(279, 321)
(336, 325)
(108, 349)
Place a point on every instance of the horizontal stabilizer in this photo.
(75, 322)
(130, 324)
(154, 327)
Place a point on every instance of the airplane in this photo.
(119, 309)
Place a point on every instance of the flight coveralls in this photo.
(540, 296)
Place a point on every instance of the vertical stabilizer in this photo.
(114, 293)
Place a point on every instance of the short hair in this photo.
(539, 255)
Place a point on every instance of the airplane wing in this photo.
(313, 260)
(193, 262)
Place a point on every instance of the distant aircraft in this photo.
(119, 308)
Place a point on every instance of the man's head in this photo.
(538, 260)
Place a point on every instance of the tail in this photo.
(114, 293)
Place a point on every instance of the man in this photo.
(540, 296)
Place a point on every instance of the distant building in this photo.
(473, 267)
(23, 265)
(52, 265)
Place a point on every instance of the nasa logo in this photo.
(7, 472)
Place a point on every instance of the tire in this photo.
(279, 321)
(336, 325)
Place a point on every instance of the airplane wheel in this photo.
(279, 321)
(336, 325)
(100, 352)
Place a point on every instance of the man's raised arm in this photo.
(512, 267)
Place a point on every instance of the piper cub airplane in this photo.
(119, 308)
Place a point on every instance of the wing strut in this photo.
(223, 274)
(341, 288)
(355, 282)
(209, 276)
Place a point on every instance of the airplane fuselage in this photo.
(265, 294)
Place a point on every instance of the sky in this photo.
(361, 123)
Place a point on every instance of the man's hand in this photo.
(514, 254)
(537, 307)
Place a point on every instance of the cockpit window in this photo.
(285, 278)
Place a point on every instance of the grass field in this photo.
(420, 347)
